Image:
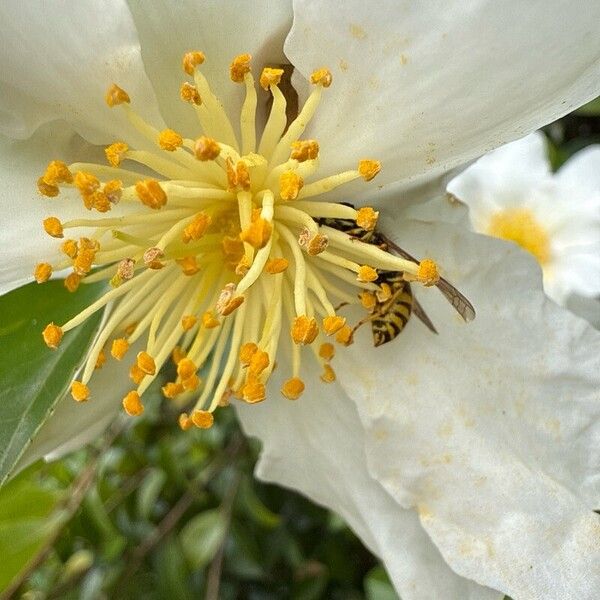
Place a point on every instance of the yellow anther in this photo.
(333, 324)
(188, 321)
(98, 201)
(366, 218)
(189, 265)
(119, 348)
(206, 148)
(258, 233)
(227, 306)
(45, 189)
(189, 93)
(83, 262)
(292, 389)
(369, 168)
(52, 335)
(366, 274)
(113, 190)
(186, 368)
(253, 391)
(368, 300)
(42, 272)
(191, 60)
(169, 140)
(344, 336)
(69, 247)
(86, 183)
(259, 362)
(384, 293)
(57, 172)
(290, 184)
(247, 351)
(100, 360)
(270, 77)
(242, 174)
(72, 281)
(197, 228)
(328, 375)
(231, 175)
(115, 96)
(151, 258)
(126, 269)
(129, 329)
(178, 354)
(313, 244)
(321, 77)
(304, 330)
(136, 374)
(233, 249)
(146, 363)
(276, 265)
(172, 390)
(428, 273)
(203, 419)
(303, 150)
(151, 193)
(115, 153)
(209, 321)
(190, 384)
(240, 65)
(185, 422)
(243, 266)
(326, 351)
(88, 244)
(79, 391)
(132, 404)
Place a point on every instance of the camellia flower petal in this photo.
(512, 195)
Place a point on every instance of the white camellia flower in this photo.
(512, 194)
(468, 461)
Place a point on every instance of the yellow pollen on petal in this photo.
(366, 274)
(344, 336)
(292, 389)
(247, 351)
(290, 184)
(191, 60)
(69, 247)
(258, 233)
(42, 272)
(276, 265)
(367, 218)
(72, 282)
(328, 375)
(197, 228)
(119, 348)
(171, 390)
(209, 321)
(368, 169)
(52, 335)
(136, 374)
(253, 391)
(169, 140)
(116, 95)
(206, 148)
(53, 227)
(520, 225)
(188, 322)
(132, 404)
(240, 65)
(79, 391)
(333, 324)
(202, 419)
(186, 368)
(304, 330)
(270, 77)
(188, 93)
(303, 150)
(151, 193)
(115, 153)
(100, 360)
(428, 273)
(146, 363)
(321, 77)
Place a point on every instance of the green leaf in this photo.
(378, 586)
(202, 537)
(591, 109)
(149, 491)
(27, 521)
(33, 377)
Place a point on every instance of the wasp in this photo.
(395, 302)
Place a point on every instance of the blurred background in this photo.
(152, 512)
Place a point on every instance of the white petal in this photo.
(58, 62)
(425, 86)
(586, 308)
(222, 30)
(491, 429)
(582, 170)
(316, 446)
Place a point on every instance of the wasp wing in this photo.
(420, 313)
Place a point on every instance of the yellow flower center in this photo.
(220, 260)
(520, 225)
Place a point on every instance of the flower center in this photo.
(520, 225)
(219, 259)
